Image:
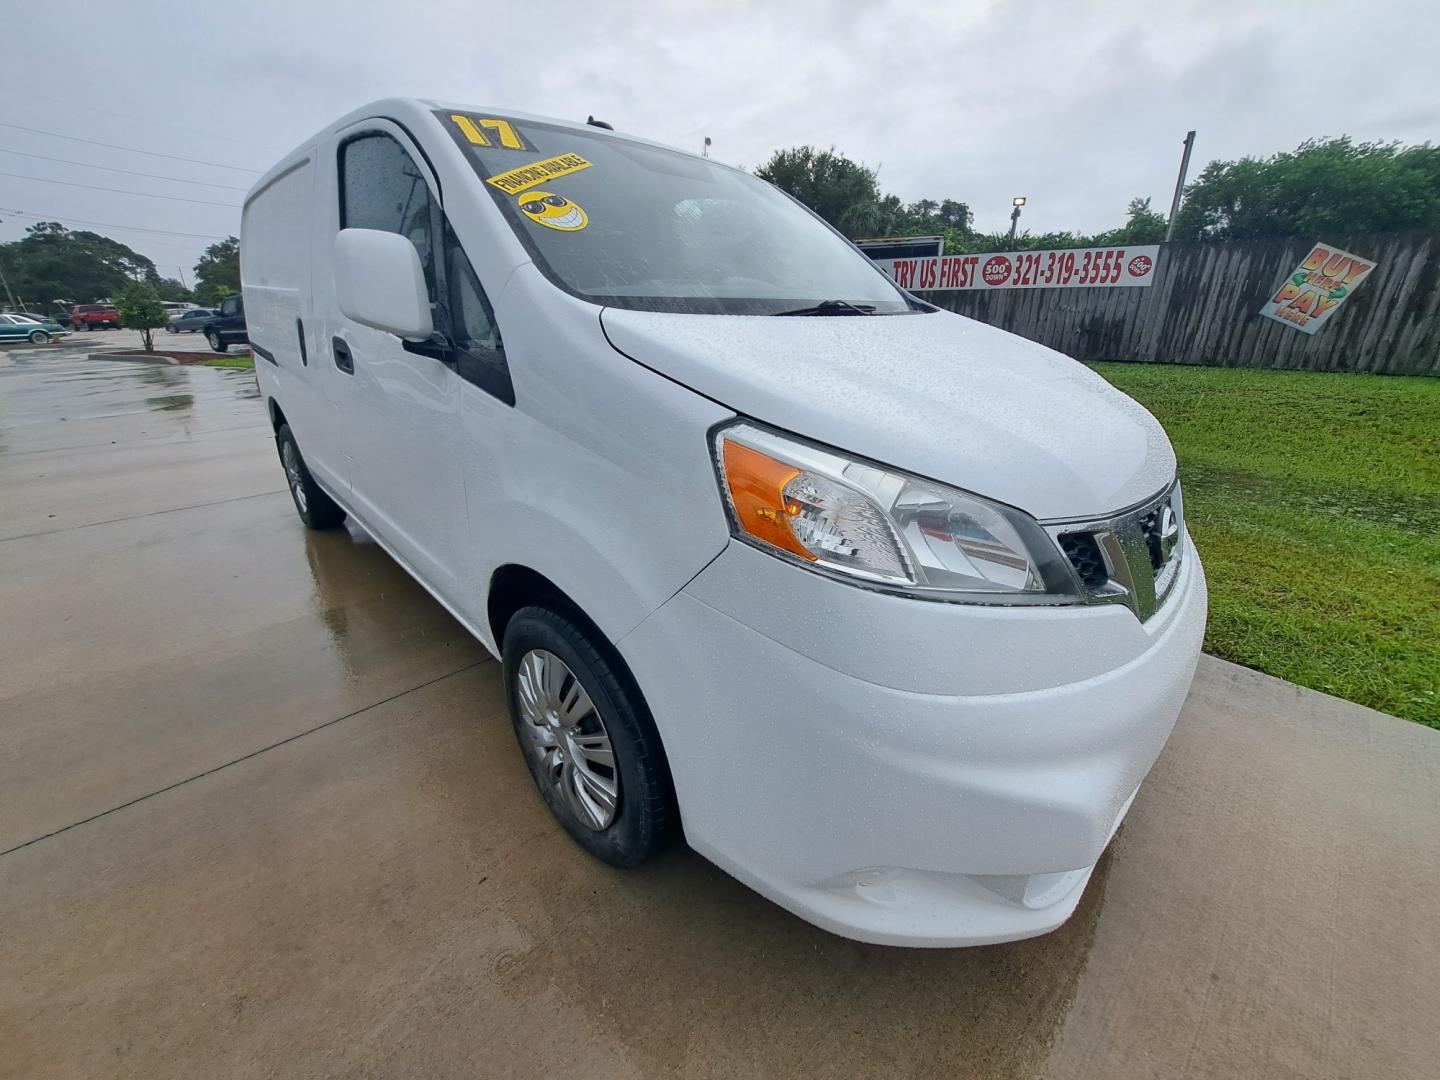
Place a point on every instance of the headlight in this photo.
(894, 531)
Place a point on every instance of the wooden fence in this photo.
(1203, 309)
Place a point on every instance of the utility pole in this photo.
(8, 293)
(1017, 203)
(183, 282)
(6, 283)
(1180, 184)
(705, 150)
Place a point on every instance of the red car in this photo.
(94, 316)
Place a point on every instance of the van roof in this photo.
(418, 110)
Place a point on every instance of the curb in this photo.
(139, 358)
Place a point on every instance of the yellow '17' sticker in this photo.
(485, 130)
(527, 176)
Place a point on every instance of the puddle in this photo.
(170, 402)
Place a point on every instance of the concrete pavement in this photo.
(261, 813)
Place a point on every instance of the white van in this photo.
(886, 611)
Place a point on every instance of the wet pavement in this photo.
(261, 813)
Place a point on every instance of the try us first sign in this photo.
(1064, 268)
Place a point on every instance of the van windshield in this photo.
(628, 225)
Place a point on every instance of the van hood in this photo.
(935, 394)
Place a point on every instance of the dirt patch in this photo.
(163, 355)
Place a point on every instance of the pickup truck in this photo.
(228, 326)
(94, 316)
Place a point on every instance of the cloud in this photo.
(1078, 106)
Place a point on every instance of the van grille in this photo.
(1132, 558)
(1087, 559)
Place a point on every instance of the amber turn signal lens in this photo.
(757, 492)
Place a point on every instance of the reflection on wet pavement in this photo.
(262, 813)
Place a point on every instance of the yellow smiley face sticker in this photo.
(553, 211)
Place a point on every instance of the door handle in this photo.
(343, 359)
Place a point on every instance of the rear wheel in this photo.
(316, 509)
(587, 739)
(39, 337)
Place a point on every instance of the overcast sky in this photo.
(1079, 106)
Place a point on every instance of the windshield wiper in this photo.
(833, 307)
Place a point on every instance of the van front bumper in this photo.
(901, 771)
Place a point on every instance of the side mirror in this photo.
(379, 283)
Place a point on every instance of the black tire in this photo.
(38, 337)
(316, 509)
(645, 815)
(170, 329)
(216, 341)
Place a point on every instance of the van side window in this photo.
(473, 320)
(479, 351)
(382, 188)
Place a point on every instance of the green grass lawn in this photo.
(246, 362)
(1315, 502)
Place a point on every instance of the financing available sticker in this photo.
(540, 172)
(1324, 280)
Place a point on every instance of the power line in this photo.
(110, 225)
(127, 172)
(121, 191)
(131, 149)
(51, 99)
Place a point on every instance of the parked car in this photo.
(191, 322)
(888, 610)
(227, 326)
(36, 315)
(94, 317)
(176, 308)
(17, 327)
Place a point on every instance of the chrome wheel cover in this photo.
(563, 730)
(291, 459)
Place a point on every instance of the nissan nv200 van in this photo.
(887, 612)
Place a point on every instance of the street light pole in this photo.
(705, 150)
(1017, 203)
(1180, 184)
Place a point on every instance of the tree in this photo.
(1325, 187)
(847, 194)
(843, 192)
(217, 274)
(51, 262)
(172, 289)
(1143, 226)
(140, 309)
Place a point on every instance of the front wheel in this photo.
(316, 509)
(171, 330)
(587, 739)
(216, 342)
(39, 337)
